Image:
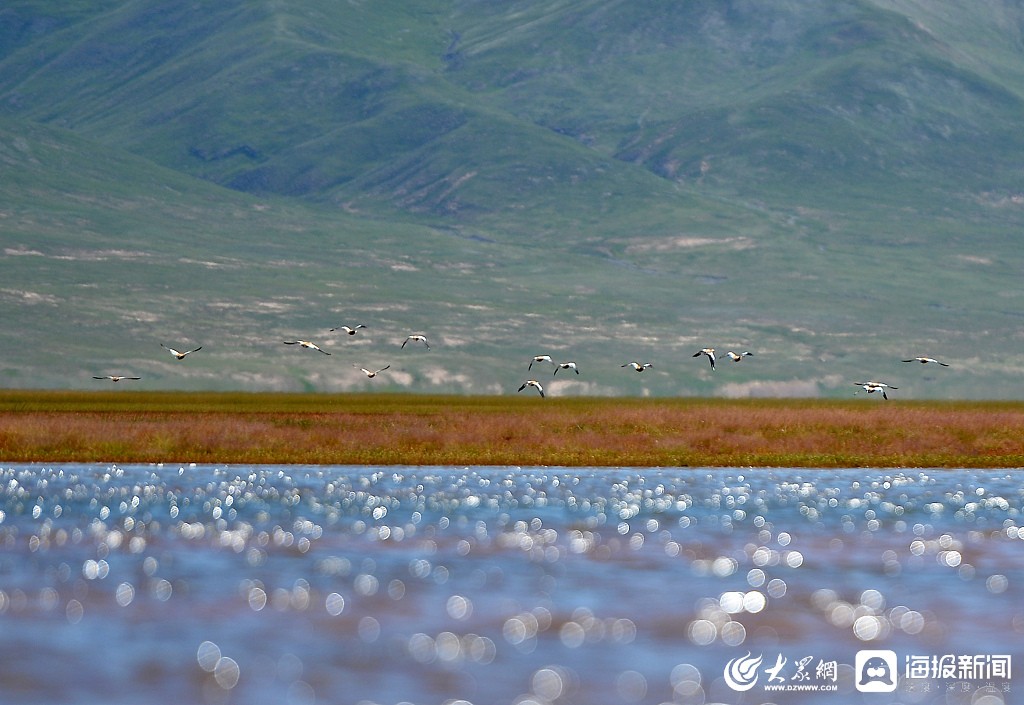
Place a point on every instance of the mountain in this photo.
(834, 187)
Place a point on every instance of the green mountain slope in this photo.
(834, 187)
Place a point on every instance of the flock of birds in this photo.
(870, 386)
(350, 330)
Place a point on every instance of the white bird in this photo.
(637, 366)
(533, 383)
(306, 344)
(540, 358)
(180, 355)
(567, 366)
(872, 387)
(710, 352)
(926, 360)
(372, 373)
(349, 330)
(114, 378)
(736, 357)
(417, 339)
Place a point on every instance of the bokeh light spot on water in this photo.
(459, 607)
(369, 629)
(448, 646)
(731, 602)
(631, 686)
(870, 627)
(95, 570)
(257, 598)
(572, 634)
(226, 672)
(733, 633)
(396, 589)
(207, 655)
(335, 604)
(582, 567)
(623, 630)
(873, 600)
(547, 683)
(996, 584)
(911, 622)
(755, 577)
(702, 632)
(724, 566)
(366, 584)
(421, 647)
(777, 587)
(162, 590)
(125, 594)
(754, 602)
(74, 611)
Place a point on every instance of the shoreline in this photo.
(129, 426)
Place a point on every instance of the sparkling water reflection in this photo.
(303, 585)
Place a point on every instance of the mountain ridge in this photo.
(815, 182)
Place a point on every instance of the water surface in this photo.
(427, 585)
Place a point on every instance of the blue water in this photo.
(426, 585)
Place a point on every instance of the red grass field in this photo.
(401, 429)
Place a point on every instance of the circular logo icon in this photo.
(741, 672)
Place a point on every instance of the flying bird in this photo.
(926, 360)
(306, 344)
(872, 387)
(348, 329)
(372, 373)
(540, 358)
(533, 383)
(637, 366)
(180, 355)
(736, 357)
(417, 339)
(567, 366)
(114, 378)
(710, 352)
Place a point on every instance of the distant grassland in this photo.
(406, 429)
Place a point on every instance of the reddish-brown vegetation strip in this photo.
(130, 426)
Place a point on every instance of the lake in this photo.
(300, 585)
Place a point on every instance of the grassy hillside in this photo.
(835, 188)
